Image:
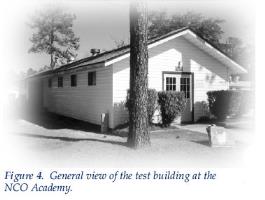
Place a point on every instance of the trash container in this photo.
(104, 122)
(216, 135)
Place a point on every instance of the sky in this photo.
(100, 23)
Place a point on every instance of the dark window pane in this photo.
(73, 80)
(167, 80)
(91, 78)
(174, 87)
(50, 82)
(60, 81)
(181, 80)
(174, 80)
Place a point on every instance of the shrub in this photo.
(172, 104)
(152, 105)
(204, 119)
(224, 103)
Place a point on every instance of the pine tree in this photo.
(54, 35)
(138, 118)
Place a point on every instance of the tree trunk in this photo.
(138, 117)
(52, 63)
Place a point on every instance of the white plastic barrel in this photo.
(104, 122)
(216, 135)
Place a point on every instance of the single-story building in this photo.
(179, 61)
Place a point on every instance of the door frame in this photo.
(192, 85)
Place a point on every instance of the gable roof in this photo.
(109, 57)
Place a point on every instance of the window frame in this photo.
(49, 82)
(171, 83)
(185, 74)
(60, 81)
(192, 79)
(185, 84)
(92, 78)
(73, 80)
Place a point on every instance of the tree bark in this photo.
(138, 118)
(52, 64)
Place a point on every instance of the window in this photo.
(91, 78)
(185, 86)
(50, 82)
(73, 80)
(60, 81)
(170, 83)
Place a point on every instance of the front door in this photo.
(181, 82)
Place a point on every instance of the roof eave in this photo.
(151, 44)
(217, 53)
(235, 67)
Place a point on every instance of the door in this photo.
(181, 82)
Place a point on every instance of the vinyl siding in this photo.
(121, 80)
(209, 74)
(81, 102)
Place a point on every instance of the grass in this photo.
(53, 140)
(69, 147)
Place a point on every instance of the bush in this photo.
(224, 103)
(204, 119)
(172, 104)
(152, 105)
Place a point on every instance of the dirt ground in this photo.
(65, 145)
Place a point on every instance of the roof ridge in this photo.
(89, 58)
(119, 49)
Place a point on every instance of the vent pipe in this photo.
(95, 52)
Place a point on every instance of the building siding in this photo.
(121, 81)
(209, 74)
(82, 102)
(109, 94)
